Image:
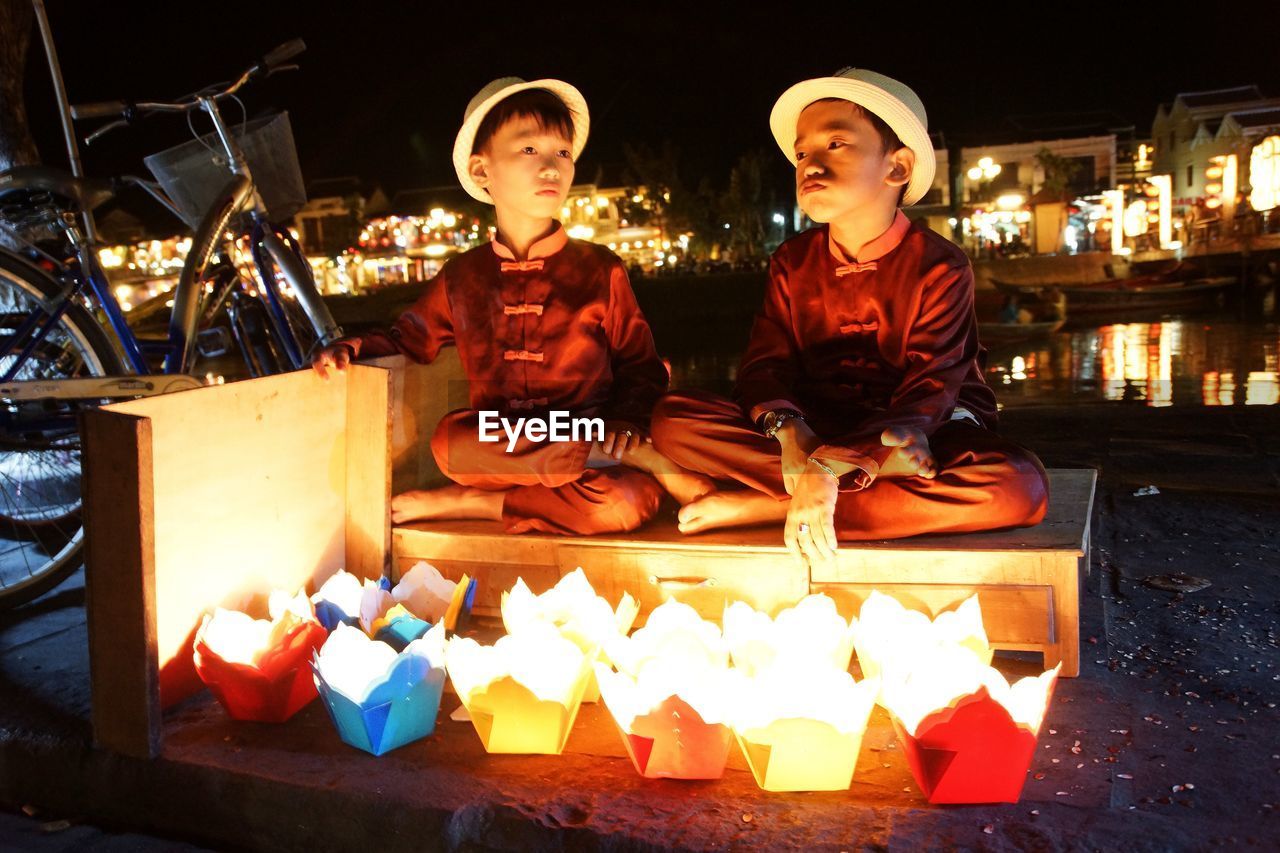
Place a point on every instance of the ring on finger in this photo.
(803, 528)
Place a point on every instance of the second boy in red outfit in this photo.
(861, 410)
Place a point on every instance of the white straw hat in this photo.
(892, 101)
(488, 97)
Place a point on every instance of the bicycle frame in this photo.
(86, 275)
(275, 303)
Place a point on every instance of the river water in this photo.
(1191, 361)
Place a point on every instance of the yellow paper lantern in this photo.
(522, 693)
(801, 728)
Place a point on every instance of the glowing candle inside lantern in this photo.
(338, 599)
(889, 638)
(813, 629)
(572, 608)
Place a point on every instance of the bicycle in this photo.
(65, 344)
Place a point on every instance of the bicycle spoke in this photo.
(21, 549)
(27, 487)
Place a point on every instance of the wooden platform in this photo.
(1028, 580)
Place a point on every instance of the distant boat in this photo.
(1178, 288)
(1004, 318)
(1198, 294)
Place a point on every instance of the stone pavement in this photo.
(1168, 740)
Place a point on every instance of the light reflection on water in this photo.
(1178, 362)
(1173, 362)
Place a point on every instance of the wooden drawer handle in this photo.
(688, 582)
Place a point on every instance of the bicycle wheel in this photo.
(41, 532)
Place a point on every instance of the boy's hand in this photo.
(622, 437)
(798, 443)
(337, 356)
(810, 532)
(911, 457)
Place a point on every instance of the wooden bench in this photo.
(1028, 580)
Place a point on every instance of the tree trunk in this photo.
(17, 148)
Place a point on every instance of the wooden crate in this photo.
(212, 497)
(1028, 580)
(421, 395)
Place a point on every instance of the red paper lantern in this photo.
(274, 688)
(970, 752)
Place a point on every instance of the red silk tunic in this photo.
(560, 330)
(860, 344)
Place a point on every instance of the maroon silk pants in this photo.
(984, 482)
(547, 485)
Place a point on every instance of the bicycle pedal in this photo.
(214, 342)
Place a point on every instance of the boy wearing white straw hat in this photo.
(861, 410)
(545, 327)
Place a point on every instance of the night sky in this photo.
(383, 85)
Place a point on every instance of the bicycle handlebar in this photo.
(274, 61)
(102, 109)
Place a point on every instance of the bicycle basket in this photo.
(194, 172)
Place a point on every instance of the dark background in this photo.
(383, 85)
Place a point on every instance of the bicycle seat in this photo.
(23, 184)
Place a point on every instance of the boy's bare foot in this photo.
(681, 483)
(452, 501)
(911, 456)
(731, 509)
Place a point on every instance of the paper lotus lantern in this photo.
(812, 631)
(673, 698)
(380, 700)
(256, 668)
(432, 597)
(422, 593)
(574, 609)
(523, 692)
(889, 638)
(346, 599)
(398, 627)
(801, 728)
(968, 735)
